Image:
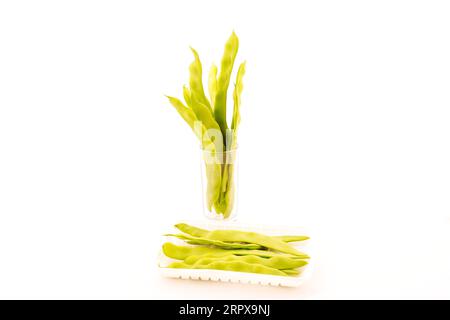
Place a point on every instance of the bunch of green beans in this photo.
(235, 250)
(207, 117)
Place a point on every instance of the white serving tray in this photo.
(232, 276)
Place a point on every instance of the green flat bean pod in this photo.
(217, 243)
(238, 87)
(204, 115)
(182, 252)
(198, 232)
(237, 266)
(193, 231)
(186, 113)
(191, 119)
(213, 174)
(272, 262)
(241, 236)
(220, 105)
(195, 81)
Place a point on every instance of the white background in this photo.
(345, 131)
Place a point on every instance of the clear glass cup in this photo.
(219, 182)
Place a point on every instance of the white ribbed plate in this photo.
(238, 277)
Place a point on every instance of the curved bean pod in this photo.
(182, 252)
(220, 103)
(277, 262)
(253, 237)
(213, 183)
(243, 236)
(198, 232)
(217, 243)
(237, 266)
(238, 87)
(186, 113)
(204, 115)
(193, 231)
(195, 81)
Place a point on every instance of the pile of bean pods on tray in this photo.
(235, 250)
